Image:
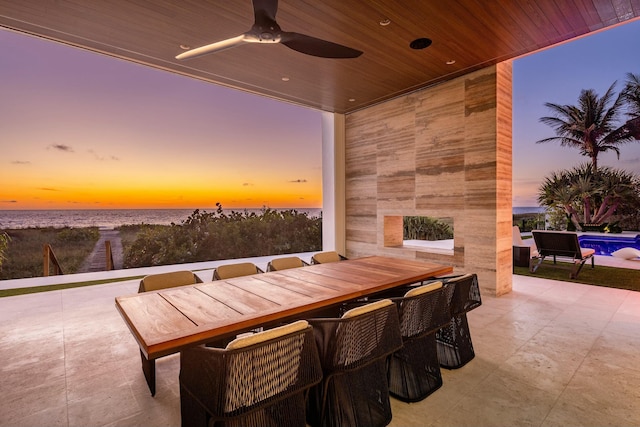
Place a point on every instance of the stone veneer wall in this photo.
(444, 151)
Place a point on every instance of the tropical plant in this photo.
(631, 94)
(425, 228)
(587, 195)
(592, 126)
(206, 236)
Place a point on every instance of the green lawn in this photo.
(612, 277)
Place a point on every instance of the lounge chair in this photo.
(564, 245)
(523, 250)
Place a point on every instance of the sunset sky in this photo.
(557, 75)
(81, 130)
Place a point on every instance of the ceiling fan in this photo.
(266, 30)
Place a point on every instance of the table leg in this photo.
(149, 370)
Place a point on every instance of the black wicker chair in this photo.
(257, 380)
(414, 370)
(455, 348)
(354, 350)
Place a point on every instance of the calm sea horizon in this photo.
(109, 218)
(518, 210)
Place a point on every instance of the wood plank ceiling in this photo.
(473, 33)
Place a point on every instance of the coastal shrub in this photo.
(208, 236)
(24, 252)
(425, 228)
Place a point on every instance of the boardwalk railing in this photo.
(107, 245)
(50, 257)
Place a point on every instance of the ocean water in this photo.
(106, 218)
(517, 210)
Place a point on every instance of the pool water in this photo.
(606, 244)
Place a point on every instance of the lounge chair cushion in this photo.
(520, 242)
(626, 253)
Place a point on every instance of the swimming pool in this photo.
(607, 243)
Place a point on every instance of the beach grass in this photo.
(611, 277)
(24, 255)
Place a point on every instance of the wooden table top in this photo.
(165, 321)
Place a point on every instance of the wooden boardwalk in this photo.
(97, 260)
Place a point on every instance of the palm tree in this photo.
(594, 194)
(631, 94)
(589, 126)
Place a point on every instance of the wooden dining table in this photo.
(166, 321)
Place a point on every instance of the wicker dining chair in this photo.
(228, 271)
(455, 348)
(414, 370)
(285, 263)
(353, 351)
(325, 257)
(155, 282)
(257, 380)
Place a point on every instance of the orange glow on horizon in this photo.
(79, 137)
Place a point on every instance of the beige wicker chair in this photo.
(258, 380)
(155, 282)
(285, 263)
(353, 351)
(228, 271)
(325, 257)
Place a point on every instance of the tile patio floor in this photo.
(547, 354)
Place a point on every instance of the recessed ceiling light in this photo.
(451, 62)
(352, 100)
(385, 22)
(185, 47)
(421, 43)
(285, 79)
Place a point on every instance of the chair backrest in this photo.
(423, 310)
(272, 364)
(285, 263)
(466, 293)
(361, 336)
(325, 257)
(154, 282)
(557, 243)
(229, 271)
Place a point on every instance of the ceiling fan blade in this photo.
(265, 9)
(213, 47)
(317, 47)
